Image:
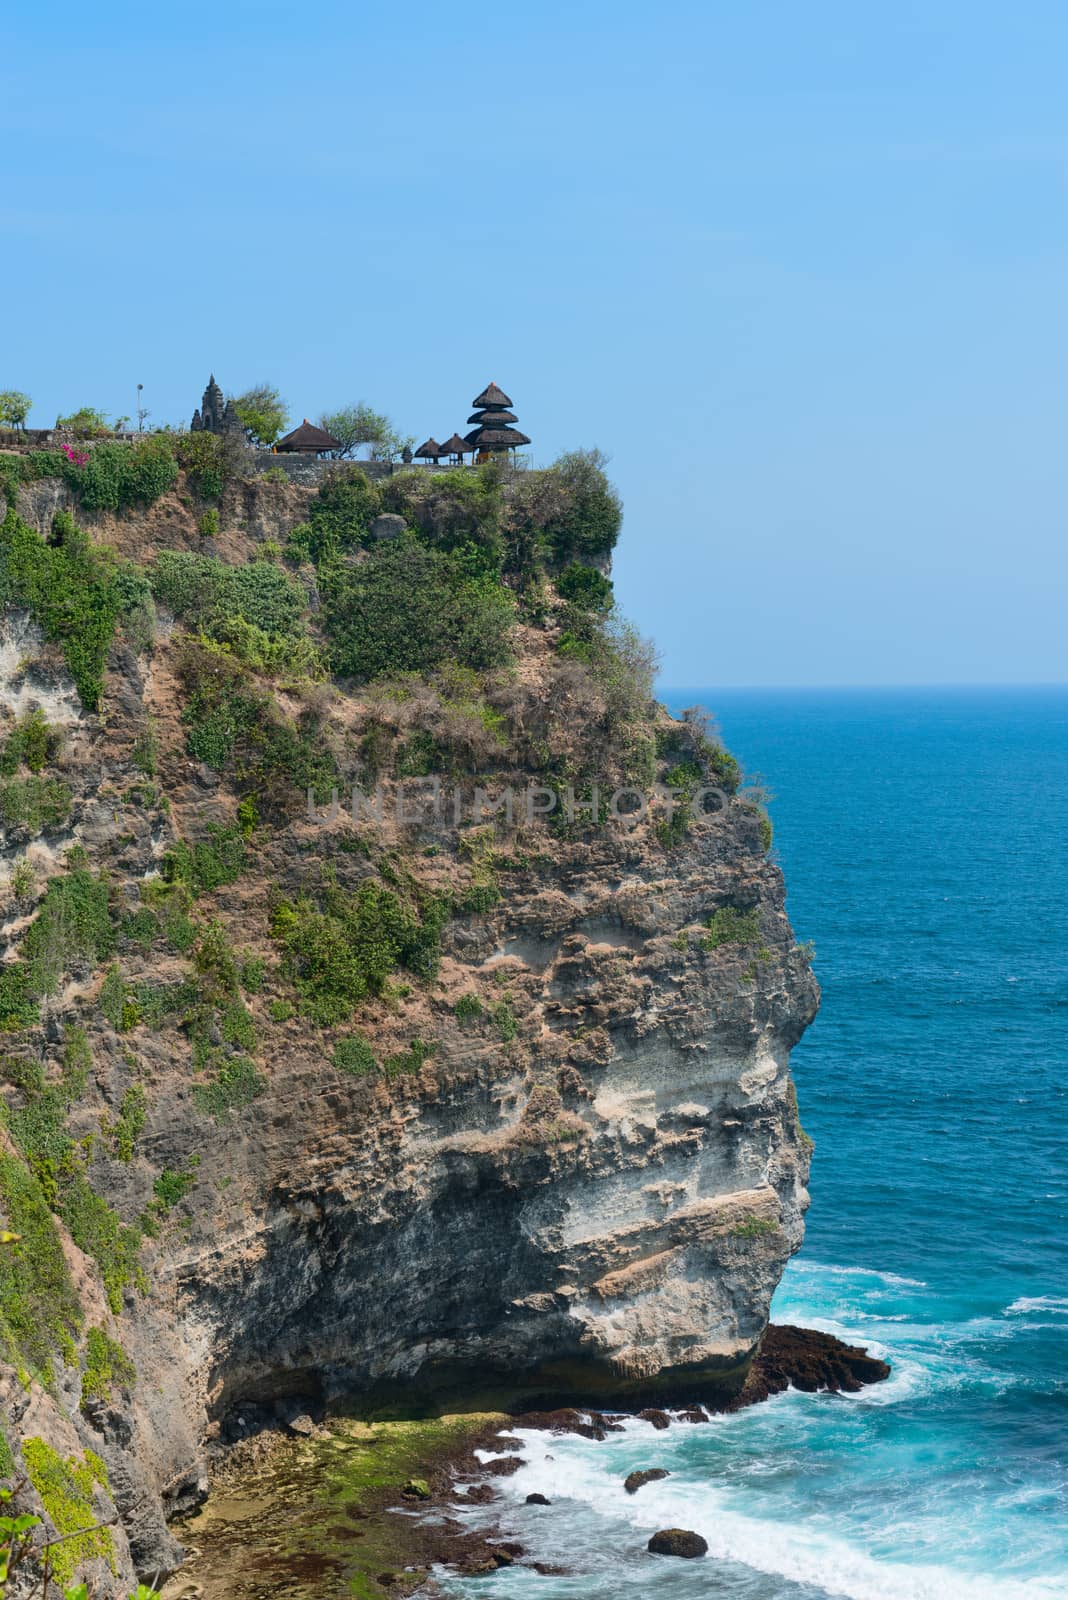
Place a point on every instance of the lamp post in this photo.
(140, 409)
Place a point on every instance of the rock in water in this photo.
(633, 1482)
(537, 1500)
(677, 1542)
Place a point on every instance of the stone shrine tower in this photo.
(215, 415)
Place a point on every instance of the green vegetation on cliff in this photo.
(67, 1488)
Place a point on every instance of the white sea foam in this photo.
(1056, 1304)
(796, 1550)
(893, 1278)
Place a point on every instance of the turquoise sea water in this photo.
(923, 835)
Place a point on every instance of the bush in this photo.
(31, 743)
(341, 514)
(236, 1084)
(107, 1366)
(208, 526)
(201, 455)
(449, 509)
(76, 593)
(34, 803)
(72, 928)
(343, 953)
(40, 1312)
(232, 724)
(728, 925)
(588, 524)
(408, 1061)
(208, 864)
(407, 608)
(585, 587)
(354, 1055)
(67, 1488)
(118, 476)
(467, 1008)
(205, 593)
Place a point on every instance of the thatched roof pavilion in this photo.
(429, 450)
(455, 447)
(491, 396)
(494, 416)
(493, 432)
(309, 440)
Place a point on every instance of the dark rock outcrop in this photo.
(677, 1542)
(635, 1480)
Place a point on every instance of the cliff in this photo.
(302, 1108)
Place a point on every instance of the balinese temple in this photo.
(215, 415)
(308, 440)
(493, 433)
(457, 448)
(429, 450)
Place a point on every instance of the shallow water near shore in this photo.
(923, 838)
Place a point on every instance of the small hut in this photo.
(493, 433)
(457, 448)
(429, 450)
(308, 440)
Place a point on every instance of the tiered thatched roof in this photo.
(491, 396)
(309, 439)
(493, 431)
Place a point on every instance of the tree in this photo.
(263, 413)
(392, 444)
(355, 425)
(87, 420)
(14, 408)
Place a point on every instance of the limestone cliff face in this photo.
(589, 1187)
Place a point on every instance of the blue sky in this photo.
(800, 270)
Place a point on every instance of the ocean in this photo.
(923, 836)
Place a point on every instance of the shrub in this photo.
(209, 863)
(34, 803)
(107, 1366)
(132, 1112)
(145, 753)
(202, 456)
(728, 925)
(66, 1488)
(449, 509)
(72, 927)
(505, 1019)
(233, 724)
(354, 1055)
(31, 743)
(173, 1184)
(340, 515)
(208, 594)
(467, 1008)
(40, 1311)
(585, 587)
(208, 526)
(588, 524)
(341, 954)
(408, 1061)
(117, 476)
(236, 1084)
(72, 590)
(407, 608)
